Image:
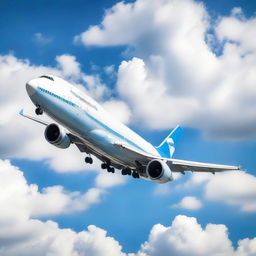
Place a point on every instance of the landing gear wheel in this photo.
(39, 111)
(135, 175)
(111, 169)
(88, 160)
(126, 171)
(104, 166)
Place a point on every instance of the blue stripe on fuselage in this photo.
(93, 118)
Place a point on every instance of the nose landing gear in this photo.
(38, 110)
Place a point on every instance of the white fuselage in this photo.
(84, 117)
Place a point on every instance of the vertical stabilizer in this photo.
(167, 147)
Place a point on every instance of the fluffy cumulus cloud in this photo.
(232, 188)
(187, 237)
(16, 192)
(22, 138)
(21, 233)
(189, 69)
(68, 64)
(104, 180)
(119, 110)
(189, 203)
(237, 189)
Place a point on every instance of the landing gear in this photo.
(88, 160)
(39, 110)
(135, 175)
(104, 166)
(126, 171)
(111, 169)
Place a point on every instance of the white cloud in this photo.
(41, 39)
(233, 188)
(119, 110)
(105, 180)
(246, 247)
(102, 36)
(195, 180)
(176, 77)
(96, 88)
(22, 234)
(189, 203)
(162, 189)
(167, 188)
(186, 237)
(238, 29)
(148, 99)
(110, 70)
(15, 192)
(68, 65)
(95, 242)
(70, 159)
(236, 188)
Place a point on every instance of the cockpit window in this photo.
(48, 77)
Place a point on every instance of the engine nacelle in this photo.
(56, 136)
(159, 171)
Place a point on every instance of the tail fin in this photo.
(167, 147)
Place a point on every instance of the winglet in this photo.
(21, 112)
(33, 118)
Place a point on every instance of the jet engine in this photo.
(57, 136)
(158, 171)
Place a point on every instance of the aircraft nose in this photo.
(31, 87)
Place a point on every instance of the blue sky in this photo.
(199, 56)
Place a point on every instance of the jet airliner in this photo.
(80, 120)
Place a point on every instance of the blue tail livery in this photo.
(167, 147)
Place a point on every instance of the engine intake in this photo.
(159, 171)
(57, 136)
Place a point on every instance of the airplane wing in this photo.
(81, 144)
(176, 165)
(74, 139)
(22, 113)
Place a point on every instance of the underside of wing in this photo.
(177, 165)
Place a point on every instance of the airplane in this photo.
(80, 120)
